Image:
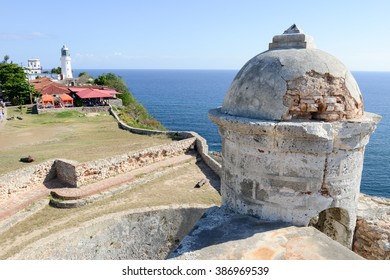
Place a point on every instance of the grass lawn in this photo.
(68, 135)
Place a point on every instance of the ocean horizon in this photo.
(181, 98)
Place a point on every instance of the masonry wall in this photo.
(95, 109)
(200, 144)
(100, 169)
(27, 177)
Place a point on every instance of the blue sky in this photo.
(197, 34)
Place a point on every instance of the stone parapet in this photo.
(201, 143)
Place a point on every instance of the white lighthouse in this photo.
(66, 67)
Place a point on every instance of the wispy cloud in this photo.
(23, 36)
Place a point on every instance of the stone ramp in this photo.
(20, 200)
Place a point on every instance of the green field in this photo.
(68, 135)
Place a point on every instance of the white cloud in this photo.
(24, 36)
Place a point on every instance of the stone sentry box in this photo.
(293, 136)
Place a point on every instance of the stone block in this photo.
(318, 130)
(305, 145)
(268, 163)
(344, 163)
(288, 184)
(302, 165)
(345, 188)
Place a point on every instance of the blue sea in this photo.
(180, 99)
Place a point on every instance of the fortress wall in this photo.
(100, 169)
(75, 174)
(24, 178)
(201, 143)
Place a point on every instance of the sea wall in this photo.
(372, 233)
(200, 144)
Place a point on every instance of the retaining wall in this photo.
(96, 109)
(75, 174)
(200, 144)
(24, 178)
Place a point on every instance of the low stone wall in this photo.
(100, 169)
(201, 143)
(26, 177)
(372, 233)
(75, 174)
(96, 109)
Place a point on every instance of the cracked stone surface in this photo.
(260, 88)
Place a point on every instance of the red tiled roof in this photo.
(92, 93)
(97, 88)
(54, 89)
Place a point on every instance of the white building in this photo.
(66, 67)
(34, 66)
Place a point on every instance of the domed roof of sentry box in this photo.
(294, 80)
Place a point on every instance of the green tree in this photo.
(56, 70)
(85, 78)
(133, 112)
(14, 83)
(116, 82)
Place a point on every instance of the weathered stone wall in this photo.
(372, 234)
(201, 143)
(140, 234)
(100, 169)
(74, 174)
(24, 178)
(291, 171)
(96, 109)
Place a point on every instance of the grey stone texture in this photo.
(137, 234)
(292, 171)
(293, 135)
(223, 234)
